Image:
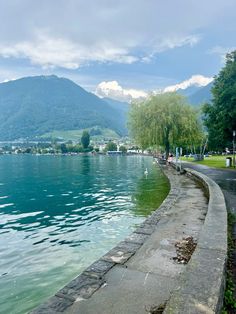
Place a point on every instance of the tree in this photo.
(164, 120)
(111, 146)
(63, 148)
(220, 114)
(85, 139)
(123, 149)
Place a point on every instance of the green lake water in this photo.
(58, 214)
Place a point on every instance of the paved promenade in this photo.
(225, 178)
(227, 181)
(144, 281)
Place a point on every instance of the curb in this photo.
(201, 286)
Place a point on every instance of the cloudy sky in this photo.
(121, 47)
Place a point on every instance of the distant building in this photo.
(114, 152)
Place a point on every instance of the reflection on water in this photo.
(149, 193)
(60, 213)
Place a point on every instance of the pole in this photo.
(177, 155)
(233, 149)
(180, 154)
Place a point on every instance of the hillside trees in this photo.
(220, 115)
(111, 146)
(35, 106)
(85, 139)
(164, 120)
(123, 149)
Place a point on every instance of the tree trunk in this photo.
(167, 142)
(167, 147)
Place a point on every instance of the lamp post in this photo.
(233, 149)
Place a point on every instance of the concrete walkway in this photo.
(225, 178)
(227, 181)
(145, 280)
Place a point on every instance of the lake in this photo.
(58, 214)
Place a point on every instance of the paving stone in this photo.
(117, 256)
(122, 252)
(145, 229)
(53, 305)
(129, 246)
(82, 286)
(100, 267)
(137, 238)
(126, 292)
(186, 304)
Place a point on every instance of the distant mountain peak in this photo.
(194, 80)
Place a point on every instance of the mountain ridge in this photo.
(32, 106)
(196, 95)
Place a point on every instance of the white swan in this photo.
(146, 172)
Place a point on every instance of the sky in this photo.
(118, 48)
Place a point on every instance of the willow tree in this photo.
(165, 120)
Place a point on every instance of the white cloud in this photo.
(8, 80)
(113, 90)
(50, 52)
(221, 51)
(176, 41)
(195, 80)
(69, 34)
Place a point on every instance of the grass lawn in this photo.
(211, 161)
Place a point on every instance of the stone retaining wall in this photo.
(201, 286)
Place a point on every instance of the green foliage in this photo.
(87, 149)
(111, 146)
(28, 150)
(220, 115)
(164, 120)
(75, 135)
(85, 139)
(123, 149)
(95, 131)
(229, 299)
(63, 148)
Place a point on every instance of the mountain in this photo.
(33, 106)
(189, 90)
(122, 105)
(202, 95)
(197, 95)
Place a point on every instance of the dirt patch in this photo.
(184, 250)
(156, 309)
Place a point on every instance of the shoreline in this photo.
(93, 287)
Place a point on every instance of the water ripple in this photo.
(64, 214)
(6, 205)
